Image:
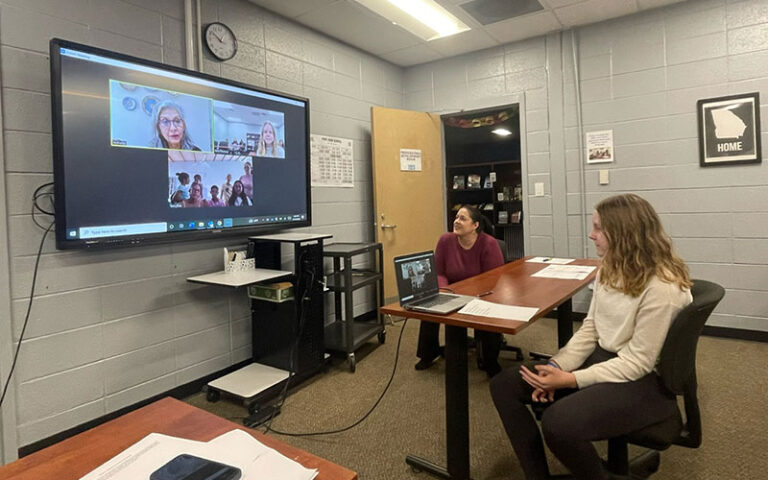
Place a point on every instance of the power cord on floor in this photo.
(306, 297)
(358, 422)
(35, 207)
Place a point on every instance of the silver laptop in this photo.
(417, 285)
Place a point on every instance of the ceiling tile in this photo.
(648, 4)
(593, 11)
(358, 26)
(527, 26)
(350, 22)
(559, 3)
(292, 8)
(412, 56)
(464, 42)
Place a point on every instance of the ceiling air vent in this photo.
(492, 11)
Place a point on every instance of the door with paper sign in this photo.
(408, 178)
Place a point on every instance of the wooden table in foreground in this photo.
(511, 284)
(79, 455)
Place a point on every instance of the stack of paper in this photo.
(481, 308)
(556, 261)
(236, 448)
(567, 272)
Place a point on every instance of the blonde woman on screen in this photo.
(268, 145)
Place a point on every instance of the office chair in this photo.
(504, 346)
(677, 368)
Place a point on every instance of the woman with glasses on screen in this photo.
(169, 130)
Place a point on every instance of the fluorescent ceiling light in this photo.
(423, 18)
(502, 132)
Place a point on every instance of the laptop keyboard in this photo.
(439, 300)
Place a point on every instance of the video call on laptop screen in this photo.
(416, 277)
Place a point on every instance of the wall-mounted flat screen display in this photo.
(146, 152)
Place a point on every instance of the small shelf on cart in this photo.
(360, 278)
(336, 334)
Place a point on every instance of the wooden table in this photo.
(79, 455)
(511, 284)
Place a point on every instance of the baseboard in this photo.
(737, 333)
(179, 392)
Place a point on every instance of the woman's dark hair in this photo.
(483, 223)
(182, 176)
(240, 195)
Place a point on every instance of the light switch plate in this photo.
(538, 189)
(604, 177)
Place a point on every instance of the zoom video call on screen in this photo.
(147, 150)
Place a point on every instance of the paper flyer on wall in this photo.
(332, 161)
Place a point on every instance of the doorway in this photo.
(483, 168)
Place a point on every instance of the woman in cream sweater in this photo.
(603, 382)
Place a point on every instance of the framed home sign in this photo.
(729, 130)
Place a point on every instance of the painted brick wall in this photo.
(112, 328)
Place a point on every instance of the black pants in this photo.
(577, 418)
(429, 343)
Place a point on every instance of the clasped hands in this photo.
(546, 380)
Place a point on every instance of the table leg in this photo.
(564, 323)
(456, 410)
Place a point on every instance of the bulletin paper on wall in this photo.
(332, 161)
(410, 160)
(599, 146)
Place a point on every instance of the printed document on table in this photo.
(482, 308)
(236, 448)
(566, 272)
(553, 261)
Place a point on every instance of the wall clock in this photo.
(220, 40)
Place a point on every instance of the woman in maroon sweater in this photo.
(464, 253)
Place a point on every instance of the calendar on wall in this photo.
(332, 161)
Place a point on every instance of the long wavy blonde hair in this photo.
(638, 247)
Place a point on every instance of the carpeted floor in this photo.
(410, 418)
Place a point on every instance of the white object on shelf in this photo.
(293, 237)
(239, 279)
(240, 265)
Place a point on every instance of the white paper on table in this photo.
(482, 308)
(269, 462)
(142, 458)
(567, 272)
(236, 448)
(554, 261)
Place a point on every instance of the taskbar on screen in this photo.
(110, 231)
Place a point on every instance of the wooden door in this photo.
(408, 205)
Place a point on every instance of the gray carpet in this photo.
(410, 419)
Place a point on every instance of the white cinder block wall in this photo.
(640, 76)
(111, 328)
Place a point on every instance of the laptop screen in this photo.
(416, 276)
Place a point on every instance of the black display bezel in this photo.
(59, 172)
